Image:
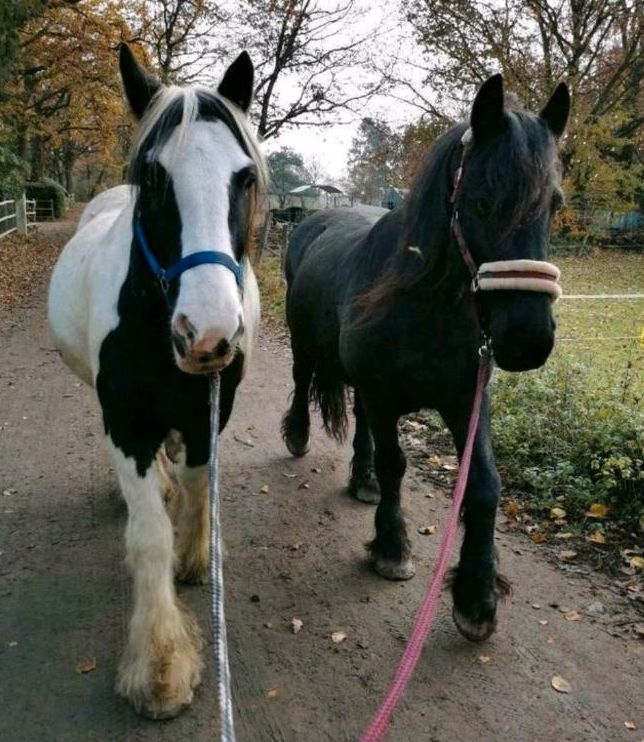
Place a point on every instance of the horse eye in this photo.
(483, 207)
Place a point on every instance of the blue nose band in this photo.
(165, 276)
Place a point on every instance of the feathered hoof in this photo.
(367, 494)
(296, 447)
(393, 570)
(474, 631)
(365, 488)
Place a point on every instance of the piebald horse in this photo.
(154, 292)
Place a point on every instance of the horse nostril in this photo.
(179, 344)
(185, 327)
(222, 347)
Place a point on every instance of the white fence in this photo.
(17, 215)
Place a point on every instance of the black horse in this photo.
(381, 302)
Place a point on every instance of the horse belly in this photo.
(83, 294)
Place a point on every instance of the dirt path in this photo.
(292, 552)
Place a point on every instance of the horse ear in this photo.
(487, 115)
(237, 84)
(556, 111)
(139, 85)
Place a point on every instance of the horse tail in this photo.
(329, 394)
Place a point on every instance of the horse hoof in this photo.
(474, 631)
(392, 570)
(298, 448)
(158, 712)
(367, 494)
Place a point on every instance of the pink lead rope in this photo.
(382, 717)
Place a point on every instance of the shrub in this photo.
(12, 174)
(564, 436)
(48, 191)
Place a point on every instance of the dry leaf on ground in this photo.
(557, 513)
(597, 510)
(637, 562)
(273, 693)
(539, 537)
(561, 685)
(337, 637)
(89, 664)
(264, 489)
(296, 625)
(567, 554)
(427, 530)
(572, 616)
(596, 538)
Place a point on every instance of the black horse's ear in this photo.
(139, 85)
(237, 84)
(556, 111)
(487, 115)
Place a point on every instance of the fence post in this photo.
(21, 214)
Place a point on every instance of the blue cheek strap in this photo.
(205, 257)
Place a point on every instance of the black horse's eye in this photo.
(483, 207)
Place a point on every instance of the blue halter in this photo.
(166, 275)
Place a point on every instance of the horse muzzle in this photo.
(201, 354)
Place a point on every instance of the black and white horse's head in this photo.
(508, 196)
(198, 172)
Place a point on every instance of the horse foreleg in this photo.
(161, 664)
(476, 586)
(390, 550)
(363, 484)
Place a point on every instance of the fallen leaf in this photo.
(561, 685)
(564, 535)
(337, 637)
(630, 725)
(427, 530)
(316, 470)
(511, 509)
(273, 693)
(484, 659)
(434, 461)
(9, 492)
(544, 622)
(296, 625)
(567, 554)
(597, 510)
(86, 665)
(550, 640)
(264, 489)
(288, 475)
(539, 537)
(637, 562)
(536, 606)
(303, 486)
(557, 513)
(572, 616)
(596, 538)
(245, 441)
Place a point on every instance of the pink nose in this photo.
(209, 347)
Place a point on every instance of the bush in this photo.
(12, 174)
(565, 438)
(49, 191)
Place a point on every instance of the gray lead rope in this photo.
(222, 669)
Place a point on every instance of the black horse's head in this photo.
(507, 198)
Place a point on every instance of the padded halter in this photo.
(500, 275)
(204, 257)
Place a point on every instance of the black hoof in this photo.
(474, 610)
(295, 435)
(365, 487)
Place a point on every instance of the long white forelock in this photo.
(166, 96)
